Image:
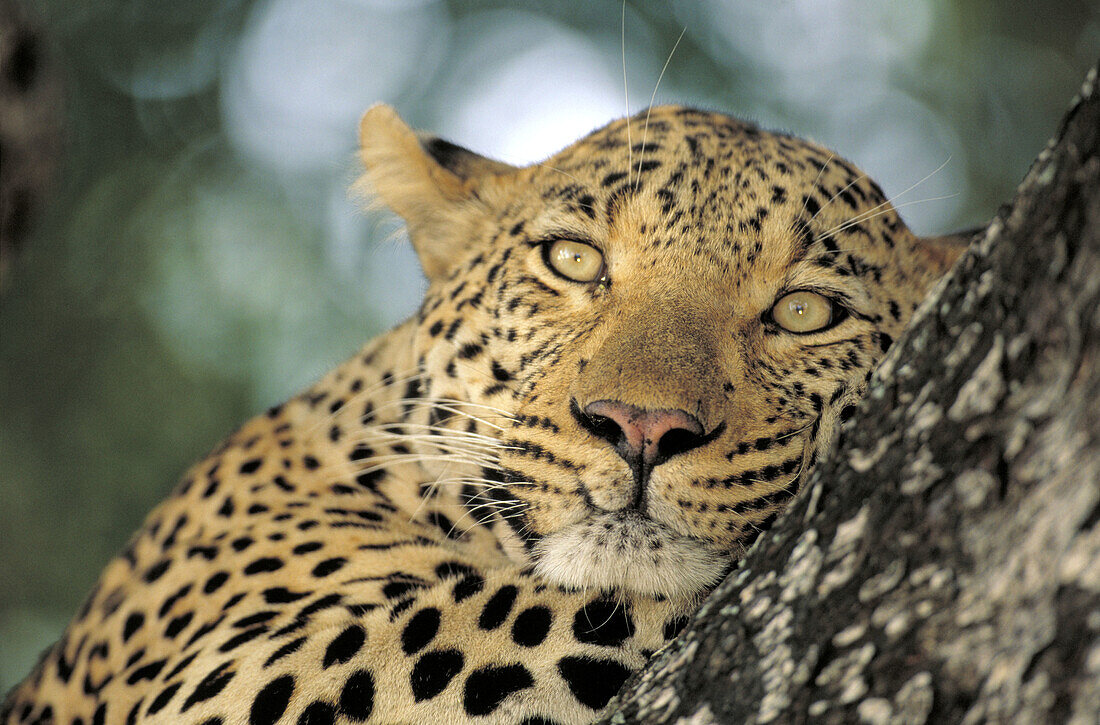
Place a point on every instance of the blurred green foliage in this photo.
(199, 259)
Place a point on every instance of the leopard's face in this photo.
(663, 334)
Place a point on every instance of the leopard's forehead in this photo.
(681, 181)
(711, 149)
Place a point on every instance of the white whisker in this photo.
(852, 183)
(626, 92)
(813, 186)
(856, 220)
(649, 110)
(903, 193)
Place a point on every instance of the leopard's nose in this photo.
(643, 436)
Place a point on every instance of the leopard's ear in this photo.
(941, 252)
(429, 182)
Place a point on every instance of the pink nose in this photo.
(649, 436)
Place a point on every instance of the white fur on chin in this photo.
(631, 553)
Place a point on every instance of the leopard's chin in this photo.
(629, 552)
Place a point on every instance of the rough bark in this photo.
(943, 565)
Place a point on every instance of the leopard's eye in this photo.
(574, 260)
(803, 311)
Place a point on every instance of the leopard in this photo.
(628, 360)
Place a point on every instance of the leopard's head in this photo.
(659, 328)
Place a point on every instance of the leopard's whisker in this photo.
(440, 439)
(649, 109)
(364, 393)
(493, 506)
(626, 93)
(857, 220)
(806, 200)
(563, 173)
(895, 197)
(850, 184)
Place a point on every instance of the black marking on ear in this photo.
(448, 155)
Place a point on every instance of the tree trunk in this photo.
(943, 565)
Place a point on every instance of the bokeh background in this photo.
(198, 257)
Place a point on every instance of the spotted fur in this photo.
(441, 530)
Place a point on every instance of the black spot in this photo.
(246, 636)
(449, 569)
(202, 631)
(357, 697)
(603, 622)
(214, 583)
(436, 328)
(421, 629)
(288, 648)
(393, 590)
(318, 713)
(177, 625)
(531, 626)
(254, 619)
(370, 479)
(251, 466)
(444, 524)
(360, 452)
(500, 373)
(612, 178)
(325, 602)
(206, 552)
(674, 626)
(497, 608)
(241, 543)
(282, 595)
(311, 463)
(146, 672)
(487, 687)
(467, 587)
(328, 566)
(884, 341)
(593, 682)
(271, 701)
(344, 646)
(433, 672)
(469, 350)
(160, 701)
(156, 571)
(133, 624)
(263, 566)
(214, 682)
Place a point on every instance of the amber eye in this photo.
(804, 311)
(574, 260)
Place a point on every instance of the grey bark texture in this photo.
(943, 564)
